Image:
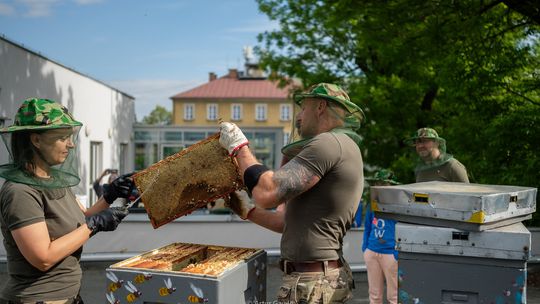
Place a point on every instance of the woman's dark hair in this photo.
(22, 151)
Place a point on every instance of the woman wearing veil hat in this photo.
(43, 224)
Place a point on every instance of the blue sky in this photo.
(148, 49)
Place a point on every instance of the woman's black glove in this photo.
(120, 187)
(106, 220)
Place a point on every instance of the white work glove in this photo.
(231, 137)
(240, 203)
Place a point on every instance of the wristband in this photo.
(252, 175)
(234, 152)
(247, 214)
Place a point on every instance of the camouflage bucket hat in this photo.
(385, 176)
(427, 133)
(41, 114)
(333, 93)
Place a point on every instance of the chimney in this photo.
(233, 73)
(212, 76)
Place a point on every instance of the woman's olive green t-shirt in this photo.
(22, 205)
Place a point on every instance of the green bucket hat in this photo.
(384, 175)
(427, 133)
(333, 93)
(41, 114)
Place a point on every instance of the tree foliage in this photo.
(158, 116)
(470, 69)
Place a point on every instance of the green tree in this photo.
(469, 68)
(158, 116)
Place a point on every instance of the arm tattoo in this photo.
(292, 179)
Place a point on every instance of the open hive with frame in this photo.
(189, 273)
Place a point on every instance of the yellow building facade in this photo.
(248, 101)
(225, 109)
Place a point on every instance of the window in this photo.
(145, 136)
(145, 155)
(168, 150)
(96, 166)
(285, 112)
(123, 158)
(236, 111)
(286, 138)
(212, 111)
(194, 136)
(264, 145)
(189, 111)
(140, 156)
(172, 136)
(260, 112)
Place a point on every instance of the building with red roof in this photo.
(248, 98)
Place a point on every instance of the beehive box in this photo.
(448, 265)
(511, 242)
(187, 180)
(189, 273)
(474, 207)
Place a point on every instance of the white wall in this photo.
(107, 114)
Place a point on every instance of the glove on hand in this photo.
(120, 187)
(231, 137)
(241, 204)
(106, 220)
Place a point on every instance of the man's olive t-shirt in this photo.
(316, 221)
(450, 171)
(22, 205)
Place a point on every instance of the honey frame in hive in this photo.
(194, 259)
(187, 180)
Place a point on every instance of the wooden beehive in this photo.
(187, 180)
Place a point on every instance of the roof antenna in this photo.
(248, 54)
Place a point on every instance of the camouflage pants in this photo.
(316, 287)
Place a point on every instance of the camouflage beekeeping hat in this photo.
(334, 93)
(41, 114)
(427, 133)
(383, 175)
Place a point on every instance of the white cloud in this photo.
(149, 93)
(6, 9)
(38, 8)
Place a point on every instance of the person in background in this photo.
(378, 247)
(315, 192)
(43, 224)
(434, 163)
(98, 186)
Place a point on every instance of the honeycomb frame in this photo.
(187, 180)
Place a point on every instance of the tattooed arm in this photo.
(284, 184)
(276, 187)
